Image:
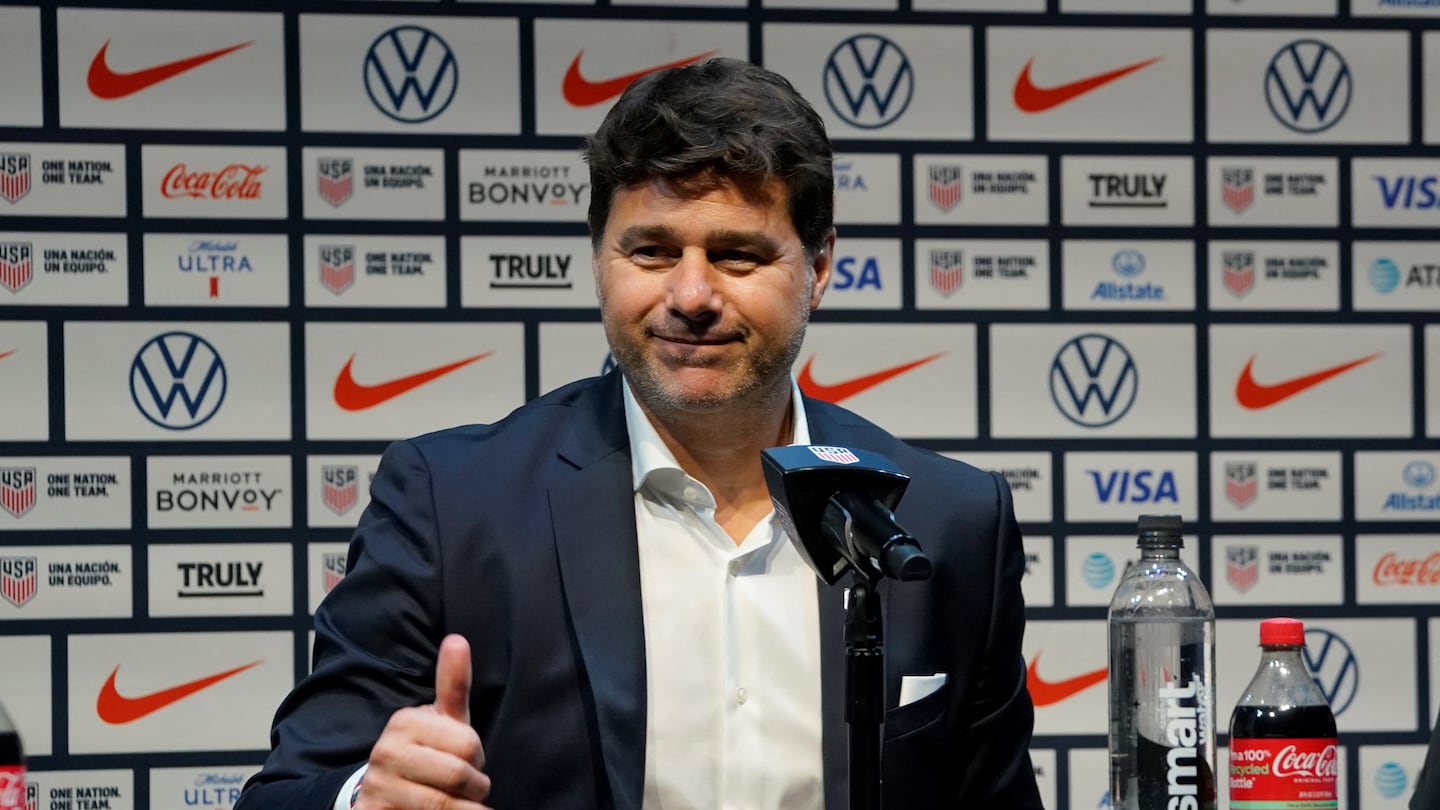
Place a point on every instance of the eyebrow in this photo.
(757, 241)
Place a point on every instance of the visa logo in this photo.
(1408, 191)
(855, 274)
(1141, 486)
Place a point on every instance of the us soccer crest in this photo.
(1239, 271)
(337, 267)
(1237, 188)
(339, 487)
(333, 565)
(337, 179)
(1242, 566)
(1240, 482)
(18, 579)
(17, 489)
(15, 265)
(14, 176)
(839, 455)
(945, 186)
(947, 269)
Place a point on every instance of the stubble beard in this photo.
(763, 373)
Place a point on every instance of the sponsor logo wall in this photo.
(242, 249)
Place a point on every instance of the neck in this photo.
(721, 449)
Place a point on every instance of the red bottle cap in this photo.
(1282, 633)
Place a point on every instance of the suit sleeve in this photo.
(994, 751)
(377, 636)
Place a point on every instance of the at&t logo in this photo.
(1093, 380)
(411, 61)
(1308, 86)
(178, 368)
(869, 81)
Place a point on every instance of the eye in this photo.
(736, 260)
(650, 255)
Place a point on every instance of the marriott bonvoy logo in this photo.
(237, 181)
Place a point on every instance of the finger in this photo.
(452, 678)
(415, 767)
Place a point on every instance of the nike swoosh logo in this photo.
(354, 396)
(114, 708)
(837, 392)
(582, 92)
(1253, 395)
(1046, 693)
(1032, 99)
(107, 84)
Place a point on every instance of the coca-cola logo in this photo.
(234, 182)
(12, 788)
(1320, 764)
(1394, 570)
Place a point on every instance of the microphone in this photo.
(836, 504)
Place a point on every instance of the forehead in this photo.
(700, 200)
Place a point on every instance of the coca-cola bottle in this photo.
(12, 766)
(1283, 747)
(1162, 667)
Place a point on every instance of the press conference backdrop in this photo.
(1139, 255)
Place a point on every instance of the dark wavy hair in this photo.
(717, 119)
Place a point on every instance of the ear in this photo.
(824, 260)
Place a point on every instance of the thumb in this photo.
(452, 679)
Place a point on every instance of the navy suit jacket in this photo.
(521, 536)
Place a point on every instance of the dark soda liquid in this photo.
(10, 751)
(1276, 722)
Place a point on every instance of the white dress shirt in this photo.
(732, 645)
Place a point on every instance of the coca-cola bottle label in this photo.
(1276, 774)
(13, 793)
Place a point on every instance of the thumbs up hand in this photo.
(429, 757)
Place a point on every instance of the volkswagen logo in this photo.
(178, 381)
(411, 74)
(869, 81)
(1093, 380)
(1308, 86)
(1334, 666)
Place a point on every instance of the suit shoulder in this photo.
(531, 426)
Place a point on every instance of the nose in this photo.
(692, 293)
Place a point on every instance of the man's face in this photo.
(705, 291)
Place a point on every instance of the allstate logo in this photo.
(1390, 780)
(1128, 262)
(868, 81)
(178, 368)
(1383, 275)
(1098, 570)
(1419, 473)
(1334, 666)
(411, 74)
(1093, 380)
(1308, 86)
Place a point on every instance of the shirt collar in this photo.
(649, 454)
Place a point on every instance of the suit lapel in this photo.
(592, 506)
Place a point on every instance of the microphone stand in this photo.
(864, 690)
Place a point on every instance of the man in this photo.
(595, 586)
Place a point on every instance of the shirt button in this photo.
(741, 696)
(690, 493)
(735, 567)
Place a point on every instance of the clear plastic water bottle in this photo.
(1162, 673)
